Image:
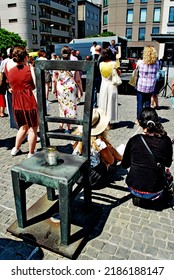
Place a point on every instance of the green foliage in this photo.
(108, 33)
(104, 34)
(9, 39)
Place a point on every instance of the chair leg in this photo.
(65, 213)
(51, 194)
(87, 191)
(19, 190)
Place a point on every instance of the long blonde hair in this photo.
(149, 55)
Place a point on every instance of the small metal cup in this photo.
(51, 155)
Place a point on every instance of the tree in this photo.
(9, 39)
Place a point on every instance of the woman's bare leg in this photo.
(20, 136)
(32, 138)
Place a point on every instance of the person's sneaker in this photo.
(30, 155)
(14, 152)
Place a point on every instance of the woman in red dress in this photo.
(23, 101)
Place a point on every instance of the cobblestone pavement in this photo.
(123, 231)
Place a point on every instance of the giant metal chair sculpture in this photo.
(73, 174)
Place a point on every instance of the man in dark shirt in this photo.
(97, 75)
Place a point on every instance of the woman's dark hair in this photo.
(107, 54)
(41, 53)
(19, 54)
(66, 52)
(149, 119)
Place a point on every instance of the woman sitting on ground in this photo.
(103, 154)
(144, 179)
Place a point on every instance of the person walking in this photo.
(97, 74)
(42, 56)
(147, 71)
(6, 65)
(69, 89)
(23, 101)
(108, 95)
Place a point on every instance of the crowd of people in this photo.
(144, 180)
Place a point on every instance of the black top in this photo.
(97, 58)
(143, 174)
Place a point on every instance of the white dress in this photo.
(108, 96)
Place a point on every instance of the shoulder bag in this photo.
(168, 178)
(134, 78)
(116, 80)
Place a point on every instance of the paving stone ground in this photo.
(123, 231)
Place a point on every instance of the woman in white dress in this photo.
(108, 96)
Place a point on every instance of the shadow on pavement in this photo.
(18, 250)
(8, 142)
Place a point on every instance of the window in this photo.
(143, 1)
(13, 20)
(129, 33)
(33, 24)
(92, 15)
(130, 1)
(105, 18)
(88, 14)
(105, 3)
(155, 30)
(88, 26)
(12, 5)
(157, 1)
(171, 14)
(157, 15)
(130, 16)
(141, 36)
(34, 39)
(96, 16)
(33, 9)
(143, 13)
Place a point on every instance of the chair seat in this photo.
(38, 171)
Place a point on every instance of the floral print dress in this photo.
(67, 94)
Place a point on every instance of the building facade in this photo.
(89, 19)
(138, 20)
(40, 22)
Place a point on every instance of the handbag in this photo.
(3, 83)
(167, 178)
(134, 78)
(34, 81)
(116, 80)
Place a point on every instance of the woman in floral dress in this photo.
(69, 89)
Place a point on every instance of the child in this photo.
(103, 154)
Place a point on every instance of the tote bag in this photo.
(116, 80)
(134, 77)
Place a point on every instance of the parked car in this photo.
(128, 64)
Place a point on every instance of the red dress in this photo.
(23, 101)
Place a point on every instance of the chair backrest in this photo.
(84, 120)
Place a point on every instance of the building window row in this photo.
(92, 15)
(143, 15)
(141, 34)
(141, 1)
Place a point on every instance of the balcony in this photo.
(44, 16)
(44, 2)
(45, 30)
